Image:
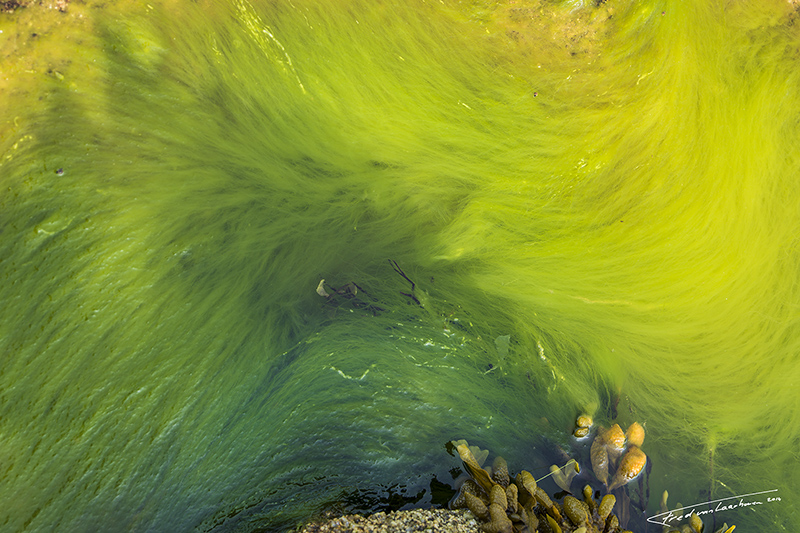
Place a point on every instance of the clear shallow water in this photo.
(614, 188)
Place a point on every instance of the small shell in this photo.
(584, 421)
(599, 455)
(512, 495)
(635, 434)
(630, 466)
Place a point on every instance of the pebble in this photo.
(413, 521)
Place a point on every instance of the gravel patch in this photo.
(415, 520)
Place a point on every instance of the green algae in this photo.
(612, 187)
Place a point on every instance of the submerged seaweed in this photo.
(506, 504)
(522, 506)
(592, 205)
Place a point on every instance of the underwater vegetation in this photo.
(259, 259)
(508, 504)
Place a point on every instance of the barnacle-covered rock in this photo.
(630, 466)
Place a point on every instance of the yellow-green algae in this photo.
(613, 186)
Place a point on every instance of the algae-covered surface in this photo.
(522, 211)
